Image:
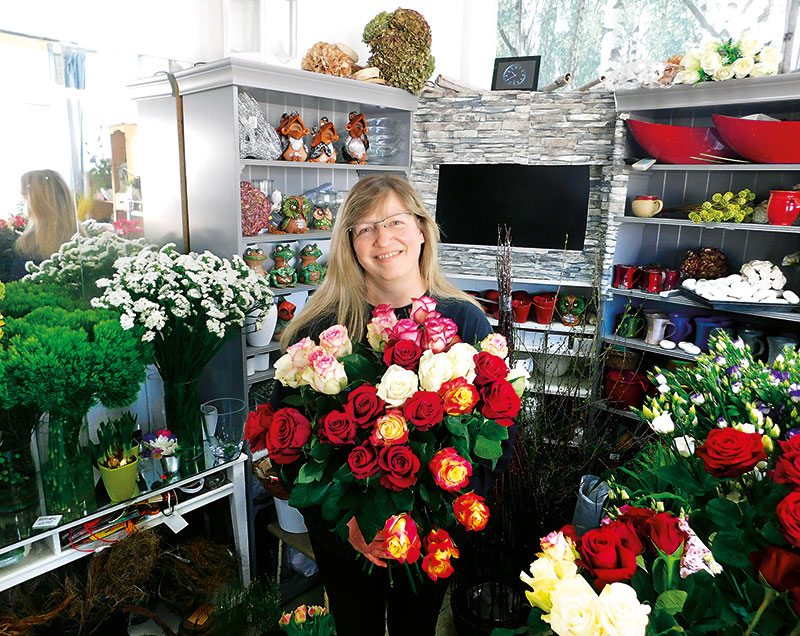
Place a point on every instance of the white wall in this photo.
(177, 29)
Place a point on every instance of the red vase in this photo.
(783, 207)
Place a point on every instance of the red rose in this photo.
(363, 461)
(787, 468)
(488, 368)
(404, 353)
(400, 467)
(570, 532)
(471, 511)
(665, 533)
(337, 428)
(637, 517)
(287, 434)
(788, 513)
(607, 560)
(731, 453)
(364, 406)
(779, 567)
(627, 534)
(424, 409)
(458, 396)
(257, 425)
(500, 402)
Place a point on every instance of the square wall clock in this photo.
(516, 73)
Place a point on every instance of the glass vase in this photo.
(19, 492)
(66, 467)
(182, 408)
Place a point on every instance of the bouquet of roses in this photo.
(723, 59)
(391, 433)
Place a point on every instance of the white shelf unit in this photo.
(214, 168)
(664, 240)
(48, 554)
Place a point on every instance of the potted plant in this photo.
(313, 620)
(116, 456)
(163, 447)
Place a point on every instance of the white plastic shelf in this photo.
(738, 227)
(312, 235)
(636, 343)
(553, 327)
(366, 167)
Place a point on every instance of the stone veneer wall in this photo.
(528, 128)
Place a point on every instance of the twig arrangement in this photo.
(504, 282)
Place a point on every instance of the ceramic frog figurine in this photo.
(283, 274)
(311, 272)
(255, 257)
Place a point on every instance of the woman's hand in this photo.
(373, 551)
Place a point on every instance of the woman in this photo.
(383, 251)
(52, 218)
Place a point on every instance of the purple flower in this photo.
(720, 360)
(763, 407)
(792, 432)
(149, 438)
(734, 370)
(794, 392)
(736, 387)
(721, 421)
(776, 377)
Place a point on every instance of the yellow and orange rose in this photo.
(450, 471)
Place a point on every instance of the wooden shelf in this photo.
(300, 287)
(260, 377)
(254, 351)
(604, 406)
(635, 343)
(680, 299)
(564, 385)
(299, 541)
(312, 235)
(366, 167)
(746, 227)
(553, 327)
(724, 167)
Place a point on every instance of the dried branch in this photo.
(560, 82)
(503, 269)
(592, 84)
(506, 41)
(700, 18)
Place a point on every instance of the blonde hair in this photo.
(343, 293)
(51, 214)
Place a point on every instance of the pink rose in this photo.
(406, 329)
(336, 341)
(384, 312)
(299, 352)
(438, 333)
(325, 373)
(421, 308)
(379, 329)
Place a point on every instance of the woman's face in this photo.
(388, 251)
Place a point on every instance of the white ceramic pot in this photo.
(262, 362)
(262, 337)
(251, 365)
(289, 518)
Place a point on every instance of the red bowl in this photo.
(761, 141)
(678, 144)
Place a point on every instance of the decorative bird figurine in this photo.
(322, 138)
(293, 129)
(356, 146)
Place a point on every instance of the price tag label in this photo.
(176, 522)
(46, 522)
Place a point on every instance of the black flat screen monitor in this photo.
(545, 206)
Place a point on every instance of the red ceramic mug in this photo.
(652, 279)
(626, 276)
(672, 278)
(783, 207)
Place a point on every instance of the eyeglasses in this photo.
(395, 224)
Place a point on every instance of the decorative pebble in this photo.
(692, 349)
(683, 344)
(667, 344)
(790, 296)
(689, 283)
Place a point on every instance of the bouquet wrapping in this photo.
(391, 433)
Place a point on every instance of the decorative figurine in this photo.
(296, 212)
(275, 217)
(255, 257)
(322, 139)
(293, 130)
(283, 274)
(356, 146)
(570, 309)
(311, 272)
(285, 314)
(323, 219)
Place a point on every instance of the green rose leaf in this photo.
(456, 426)
(294, 400)
(772, 534)
(729, 549)
(493, 431)
(357, 367)
(724, 513)
(671, 601)
(305, 495)
(488, 449)
(310, 471)
(403, 499)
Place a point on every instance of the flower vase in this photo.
(67, 476)
(19, 494)
(263, 336)
(182, 408)
(120, 482)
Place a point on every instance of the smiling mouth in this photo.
(387, 255)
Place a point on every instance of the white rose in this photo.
(518, 377)
(684, 445)
(691, 61)
(663, 423)
(495, 344)
(434, 370)
(723, 73)
(743, 66)
(687, 77)
(749, 45)
(762, 69)
(397, 385)
(620, 612)
(770, 55)
(710, 61)
(286, 373)
(462, 355)
(574, 608)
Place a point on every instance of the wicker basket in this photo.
(623, 359)
(266, 474)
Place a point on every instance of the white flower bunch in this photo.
(158, 289)
(634, 75)
(718, 60)
(84, 258)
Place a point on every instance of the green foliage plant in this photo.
(115, 442)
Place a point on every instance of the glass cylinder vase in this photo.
(19, 492)
(66, 467)
(182, 408)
